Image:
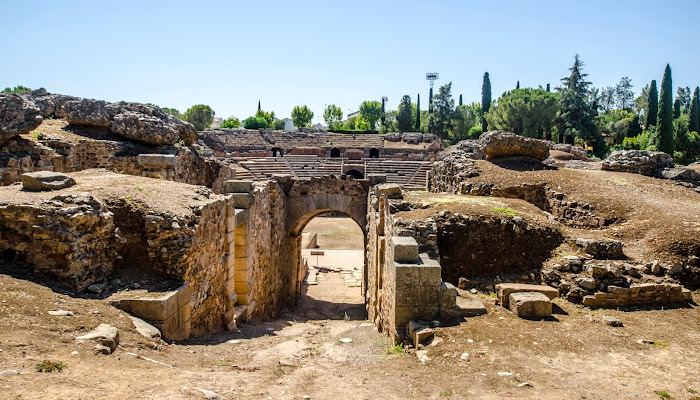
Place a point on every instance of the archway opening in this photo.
(373, 153)
(277, 152)
(333, 250)
(355, 174)
(335, 152)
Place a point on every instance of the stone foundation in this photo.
(641, 294)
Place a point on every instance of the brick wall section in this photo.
(645, 293)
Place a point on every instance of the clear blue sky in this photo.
(286, 53)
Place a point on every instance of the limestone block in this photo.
(46, 181)
(405, 249)
(448, 295)
(157, 161)
(105, 334)
(238, 186)
(503, 291)
(430, 272)
(407, 275)
(390, 190)
(242, 200)
(530, 304)
(156, 307)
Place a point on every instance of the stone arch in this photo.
(373, 153)
(310, 197)
(335, 152)
(277, 152)
(355, 174)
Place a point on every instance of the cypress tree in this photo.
(418, 114)
(676, 108)
(517, 85)
(548, 88)
(485, 100)
(383, 112)
(665, 118)
(694, 123)
(460, 99)
(258, 105)
(653, 105)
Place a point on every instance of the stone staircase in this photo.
(419, 180)
(262, 168)
(399, 172)
(309, 166)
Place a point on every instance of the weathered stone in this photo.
(637, 161)
(504, 144)
(90, 112)
(530, 304)
(390, 190)
(238, 186)
(144, 128)
(17, 116)
(157, 161)
(42, 181)
(105, 334)
(684, 174)
(61, 313)
(405, 249)
(587, 283)
(612, 321)
(144, 328)
(503, 291)
(602, 249)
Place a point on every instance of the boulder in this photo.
(684, 174)
(412, 137)
(637, 161)
(471, 149)
(530, 305)
(506, 144)
(390, 190)
(18, 116)
(144, 328)
(144, 128)
(43, 181)
(50, 105)
(392, 137)
(105, 335)
(90, 112)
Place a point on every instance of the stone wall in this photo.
(71, 239)
(639, 294)
(19, 156)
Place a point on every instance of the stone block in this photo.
(46, 181)
(242, 200)
(184, 295)
(242, 217)
(405, 249)
(503, 291)
(157, 161)
(242, 287)
(238, 186)
(530, 304)
(390, 190)
(430, 273)
(407, 275)
(687, 294)
(618, 290)
(448, 295)
(592, 301)
(376, 179)
(245, 298)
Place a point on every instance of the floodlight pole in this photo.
(431, 77)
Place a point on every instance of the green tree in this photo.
(624, 96)
(466, 118)
(485, 100)
(302, 116)
(231, 122)
(683, 95)
(527, 112)
(677, 108)
(652, 110)
(694, 122)
(443, 111)
(200, 115)
(16, 89)
(255, 123)
(371, 112)
(268, 116)
(606, 100)
(460, 100)
(548, 88)
(404, 118)
(575, 118)
(665, 117)
(332, 115)
(278, 125)
(174, 112)
(418, 114)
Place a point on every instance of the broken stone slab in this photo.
(238, 186)
(467, 306)
(43, 181)
(530, 304)
(503, 291)
(144, 328)
(405, 249)
(418, 333)
(612, 321)
(61, 313)
(390, 190)
(105, 335)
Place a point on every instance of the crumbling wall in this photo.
(472, 246)
(69, 238)
(19, 156)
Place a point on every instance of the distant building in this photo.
(217, 122)
(288, 124)
(351, 116)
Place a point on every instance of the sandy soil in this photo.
(337, 233)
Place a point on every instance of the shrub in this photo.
(255, 123)
(231, 123)
(50, 366)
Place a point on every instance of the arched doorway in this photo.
(277, 152)
(335, 152)
(355, 174)
(373, 153)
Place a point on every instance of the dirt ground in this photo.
(336, 232)
(572, 356)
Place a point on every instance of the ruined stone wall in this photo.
(19, 156)
(645, 293)
(380, 274)
(70, 238)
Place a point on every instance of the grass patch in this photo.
(619, 181)
(507, 211)
(395, 350)
(50, 366)
(663, 345)
(446, 393)
(662, 394)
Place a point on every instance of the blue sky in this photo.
(286, 53)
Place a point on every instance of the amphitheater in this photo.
(204, 229)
